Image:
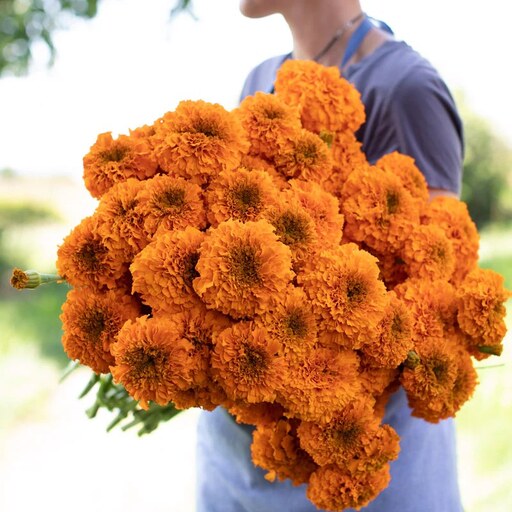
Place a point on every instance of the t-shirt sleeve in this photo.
(262, 77)
(429, 128)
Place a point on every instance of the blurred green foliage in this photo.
(487, 178)
(24, 23)
(14, 214)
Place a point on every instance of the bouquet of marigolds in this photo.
(255, 260)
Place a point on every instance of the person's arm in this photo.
(430, 130)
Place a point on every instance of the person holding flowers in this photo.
(408, 109)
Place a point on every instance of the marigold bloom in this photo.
(120, 223)
(481, 310)
(291, 321)
(83, 259)
(198, 140)
(446, 404)
(163, 273)
(198, 326)
(151, 361)
(345, 291)
(428, 254)
(327, 101)
(305, 156)
(377, 383)
(254, 163)
(294, 227)
(246, 363)
(242, 268)
(347, 155)
(110, 161)
(322, 207)
(352, 438)
(322, 382)
(378, 210)
(276, 449)
(261, 413)
(91, 321)
(145, 132)
(336, 489)
(269, 123)
(241, 195)
(166, 203)
(392, 267)
(452, 216)
(390, 348)
(434, 376)
(405, 168)
(432, 305)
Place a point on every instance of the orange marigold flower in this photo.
(405, 168)
(269, 123)
(198, 140)
(432, 305)
(320, 383)
(378, 210)
(305, 156)
(91, 321)
(198, 326)
(151, 361)
(246, 363)
(110, 161)
(83, 259)
(291, 321)
(392, 267)
(322, 207)
(242, 268)
(446, 404)
(276, 449)
(240, 194)
(335, 489)
(164, 271)
(377, 382)
(481, 310)
(428, 254)
(254, 163)
(261, 413)
(347, 155)
(168, 203)
(435, 373)
(346, 294)
(390, 348)
(120, 223)
(327, 101)
(294, 227)
(352, 438)
(452, 216)
(145, 132)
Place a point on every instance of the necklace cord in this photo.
(337, 36)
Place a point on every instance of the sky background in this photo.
(131, 64)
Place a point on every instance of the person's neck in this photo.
(312, 30)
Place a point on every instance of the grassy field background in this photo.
(53, 456)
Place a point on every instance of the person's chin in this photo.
(256, 8)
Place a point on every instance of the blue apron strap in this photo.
(359, 34)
